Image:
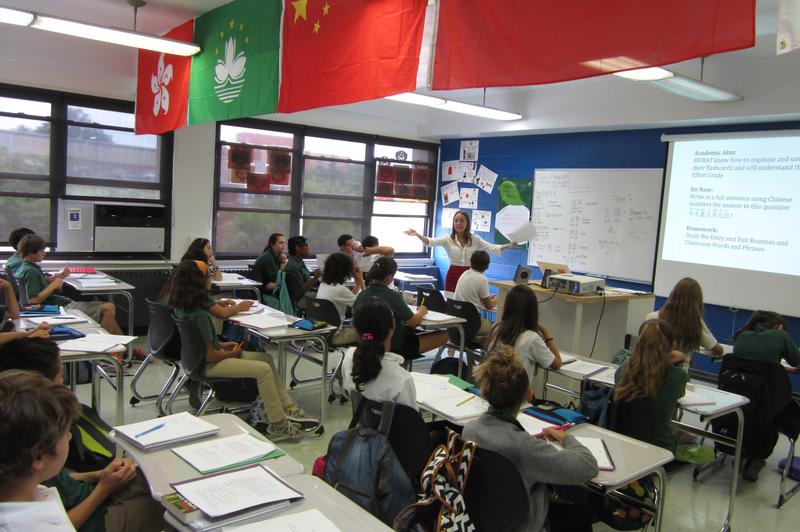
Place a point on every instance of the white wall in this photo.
(192, 186)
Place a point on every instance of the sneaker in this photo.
(284, 430)
(139, 354)
(296, 414)
(752, 468)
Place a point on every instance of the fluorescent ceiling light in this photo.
(645, 74)
(15, 16)
(695, 89)
(456, 107)
(133, 39)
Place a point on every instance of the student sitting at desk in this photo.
(114, 499)
(10, 311)
(15, 260)
(272, 260)
(504, 384)
(520, 328)
(371, 250)
(371, 368)
(338, 268)
(200, 249)
(188, 297)
(405, 340)
(684, 312)
(473, 287)
(764, 339)
(459, 246)
(42, 292)
(299, 249)
(649, 386)
(34, 436)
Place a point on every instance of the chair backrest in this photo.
(294, 284)
(433, 299)
(466, 310)
(254, 274)
(193, 349)
(163, 340)
(495, 496)
(372, 412)
(323, 310)
(12, 280)
(18, 286)
(634, 419)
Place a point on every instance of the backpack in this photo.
(449, 366)
(595, 400)
(759, 435)
(90, 448)
(443, 481)
(280, 298)
(236, 390)
(362, 466)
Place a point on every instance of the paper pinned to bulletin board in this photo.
(469, 150)
(450, 193)
(447, 217)
(481, 221)
(513, 200)
(466, 172)
(468, 198)
(449, 171)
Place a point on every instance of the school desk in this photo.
(572, 319)
(238, 283)
(162, 466)
(453, 322)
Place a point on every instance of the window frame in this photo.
(57, 176)
(297, 194)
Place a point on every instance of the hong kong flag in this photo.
(162, 86)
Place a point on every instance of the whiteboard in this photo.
(600, 221)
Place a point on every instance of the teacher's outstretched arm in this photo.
(425, 240)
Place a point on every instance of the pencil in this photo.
(467, 400)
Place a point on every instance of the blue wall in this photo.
(519, 156)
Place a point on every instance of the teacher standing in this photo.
(460, 245)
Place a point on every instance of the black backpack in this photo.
(759, 435)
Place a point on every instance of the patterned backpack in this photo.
(443, 481)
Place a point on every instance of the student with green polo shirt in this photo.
(651, 383)
(42, 291)
(272, 260)
(764, 339)
(405, 340)
(300, 249)
(15, 260)
(227, 360)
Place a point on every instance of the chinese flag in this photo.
(162, 86)
(490, 43)
(343, 51)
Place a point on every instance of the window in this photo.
(321, 184)
(55, 147)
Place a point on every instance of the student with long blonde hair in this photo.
(684, 312)
(651, 381)
(504, 384)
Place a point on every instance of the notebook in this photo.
(219, 454)
(307, 521)
(692, 398)
(261, 321)
(598, 449)
(166, 431)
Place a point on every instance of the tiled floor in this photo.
(690, 505)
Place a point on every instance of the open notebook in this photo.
(166, 431)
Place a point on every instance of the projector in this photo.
(575, 284)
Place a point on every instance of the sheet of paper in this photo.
(98, 275)
(512, 218)
(468, 198)
(431, 387)
(226, 493)
(263, 320)
(170, 428)
(533, 425)
(605, 376)
(481, 221)
(459, 407)
(254, 309)
(583, 368)
(485, 179)
(599, 451)
(469, 150)
(307, 521)
(432, 315)
(523, 233)
(449, 171)
(467, 172)
(221, 453)
(61, 319)
(447, 217)
(692, 398)
(96, 343)
(450, 194)
(566, 358)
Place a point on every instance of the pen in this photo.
(467, 400)
(151, 429)
(422, 302)
(565, 426)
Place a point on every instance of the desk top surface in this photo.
(114, 286)
(162, 467)
(591, 298)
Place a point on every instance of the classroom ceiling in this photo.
(767, 82)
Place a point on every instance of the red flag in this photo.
(343, 51)
(162, 86)
(489, 43)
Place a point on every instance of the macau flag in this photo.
(236, 74)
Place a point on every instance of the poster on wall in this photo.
(485, 179)
(450, 193)
(481, 221)
(466, 172)
(468, 151)
(74, 219)
(468, 198)
(513, 198)
(449, 171)
(447, 217)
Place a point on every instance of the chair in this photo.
(467, 311)
(163, 343)
(322, 310)
(433, 300)
(495, 495)
(20, 290)
(193, 361)
(788, 423)
(633, 419)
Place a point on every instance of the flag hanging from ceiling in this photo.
(491, 43)
(343, 51)
(236, 74)
(162, 86)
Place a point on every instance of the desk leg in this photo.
(661, 475)
(129, 298)
(323, 394)
(257, 293)
(576, 335)
(737, 456)
(462, 350)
